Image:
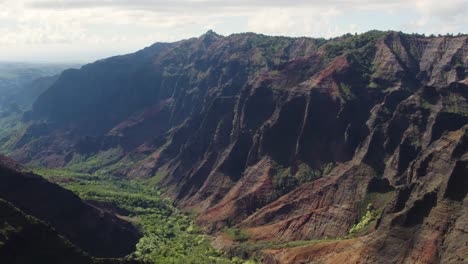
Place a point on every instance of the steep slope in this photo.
(285, 138)
(87, 227)
(24, 239)
(425, 223)
(21, 83)
(26, 95)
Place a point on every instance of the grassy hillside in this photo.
(169, 235)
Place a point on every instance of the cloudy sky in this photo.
(85, 30)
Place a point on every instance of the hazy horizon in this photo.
(80, 31)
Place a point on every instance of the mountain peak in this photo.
(211, 33)
(209, 37)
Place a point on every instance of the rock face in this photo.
(286, 138)
(425, 223)
(92, 230)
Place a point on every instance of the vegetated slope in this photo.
(285, 138)
(169, 236)
(21, 83)
(97, 232)
(28, 93)
(24, 239)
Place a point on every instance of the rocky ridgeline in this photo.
(285, 138)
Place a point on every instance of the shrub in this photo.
(365, 221)
(237, 234)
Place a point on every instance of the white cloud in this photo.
(85, 29)
(316, 22)
(435, 16)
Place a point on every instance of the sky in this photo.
(84, 30)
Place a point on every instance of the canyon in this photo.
(357, 144)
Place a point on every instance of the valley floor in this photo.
(170, 236)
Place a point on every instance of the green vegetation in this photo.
(161, 173)
(359, 51)
(370, 208)
(340, 45)
(457, 61)
(285, 181)
(270, 47)
(274, 73)
(237, 234)
(377, 199)
(35, 241)
(252, 250)
(94, 162)
(13, 221)
(426, 104)
(346, 89)
(169, 235)
(456, 104)
(5, 231)
(11, 130)
(364, 223)
(300, 243)
(271, 51)
(373, 85)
